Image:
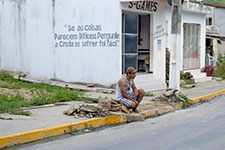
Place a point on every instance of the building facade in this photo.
(215, 32)
(94, 41)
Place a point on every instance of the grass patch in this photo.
(186, 78)
(11, 104)
(20, 112)
(149, 94)
(220, 69)
(5, 118)
(111, 92)
(45, 94)
(184, 99)
(17, 84)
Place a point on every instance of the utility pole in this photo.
(174, 77)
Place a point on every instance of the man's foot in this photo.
(135, 111)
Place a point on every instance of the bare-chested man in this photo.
(126, 91)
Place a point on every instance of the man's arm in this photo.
(122, 85)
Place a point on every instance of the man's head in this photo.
(131, 72)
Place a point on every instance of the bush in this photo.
(209, 70)
(221, 60)
(186, 76)
(220, 71)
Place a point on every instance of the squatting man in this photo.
(127, 93)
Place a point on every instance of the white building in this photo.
(215, 32)
(94, 41)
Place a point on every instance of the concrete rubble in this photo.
(106, 107)
(87, 110)
(172, 97)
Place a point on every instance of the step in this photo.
(203, 79)
(198, 75)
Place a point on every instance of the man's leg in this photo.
(128, 103)
(140, 96)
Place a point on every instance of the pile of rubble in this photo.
(172, 97)
(104, 108)
(87, 110)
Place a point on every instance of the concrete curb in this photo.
(46, 132)
(209, 96)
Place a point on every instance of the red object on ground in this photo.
(209, 70)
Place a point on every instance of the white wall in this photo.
(32, 33)
(88, 64)
(218, 20)
(28, 43)
(189, 17)
(159, 50)
(26, 36)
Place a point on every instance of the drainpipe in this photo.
(174, 77)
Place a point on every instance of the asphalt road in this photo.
(197, 128)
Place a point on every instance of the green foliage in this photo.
(7, 78)
(220, 69)
(189, 82)
(88, 100)
(61, 95)
(149, 94)
(17, 84)
(184, 99)
(20, 112)
(47, 94)
(221, 60)
(3, 118)
(213, 2)
(106, 97)
(111, 92)
(185, 76)
(11, 104)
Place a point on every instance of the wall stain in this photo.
(53, 28)
(20, 31)
(53, 14)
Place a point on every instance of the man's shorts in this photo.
(128, 102)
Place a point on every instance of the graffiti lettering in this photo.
(86, 36)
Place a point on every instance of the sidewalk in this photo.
(52, 117)
(200, 89)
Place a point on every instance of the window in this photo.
(191, 46)
(130, 41)
(209, 21)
